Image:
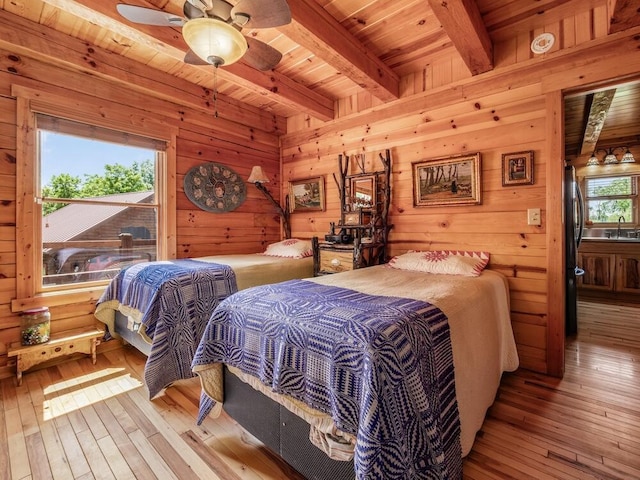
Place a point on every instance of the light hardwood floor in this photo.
(84, 421)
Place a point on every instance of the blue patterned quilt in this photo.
(382, 367)
(176, 299)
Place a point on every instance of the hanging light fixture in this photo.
(628, 157)
(610, 157)
(214, 41)
(594, 161)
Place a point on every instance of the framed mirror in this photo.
(363, 192)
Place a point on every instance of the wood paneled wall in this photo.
(491, 123)
(242, 137)
(443, 111)
(516, 107)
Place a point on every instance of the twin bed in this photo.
(392, 368)
(162, 307)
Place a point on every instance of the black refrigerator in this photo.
(574, 225)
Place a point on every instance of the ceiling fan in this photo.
(213, 29)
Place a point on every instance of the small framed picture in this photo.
(352, 218)
(307, 194)
(517, 168)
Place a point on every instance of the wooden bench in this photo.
(82, 340)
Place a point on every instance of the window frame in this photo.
(88, 110)
(633, 197)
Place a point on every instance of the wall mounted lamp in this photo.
(258, 178)
(610, 156)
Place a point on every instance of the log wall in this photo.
(445, 112)
(242, 137)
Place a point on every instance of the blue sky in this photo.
(78, 156)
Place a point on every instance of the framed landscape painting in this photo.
(307, 194)
(451, 180)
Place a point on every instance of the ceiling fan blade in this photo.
(148, 16)
(262, 13)
(192, 12)
(260, 55)
(192, 59)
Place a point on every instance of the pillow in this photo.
(450, 262)
(291, 247)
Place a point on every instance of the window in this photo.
(149, 216)
(99, 207)
(609, 199)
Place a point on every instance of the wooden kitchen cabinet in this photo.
(612, 271)
(627, 274)
(598, 271)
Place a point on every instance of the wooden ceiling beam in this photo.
(25, 38)
(168, 41)
(315, 29)
(625, 14)
(463, 23)
(600, 103)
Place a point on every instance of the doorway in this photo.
(599, 122)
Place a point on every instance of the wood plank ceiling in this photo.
(332, 48)
(603, 118)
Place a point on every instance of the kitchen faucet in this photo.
(621, 217)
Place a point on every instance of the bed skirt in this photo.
(283, 432)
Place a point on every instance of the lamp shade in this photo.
(593, 161)
(610, 158)
(214, 41)
(257, 176)
(627, 157)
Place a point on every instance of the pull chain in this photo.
(215, 92)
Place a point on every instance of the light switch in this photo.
(533, 217)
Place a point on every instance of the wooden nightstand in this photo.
(339, 257)
(62, 343)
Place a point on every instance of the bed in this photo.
(162, 307)
(464, 320)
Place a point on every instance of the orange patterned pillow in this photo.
(450, 262)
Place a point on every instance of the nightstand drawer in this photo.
(334, 262)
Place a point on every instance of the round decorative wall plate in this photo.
(542, 43)
(214, 188)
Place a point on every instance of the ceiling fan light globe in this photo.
(211, 39)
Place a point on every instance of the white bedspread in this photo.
(257, 269)
(481, 334)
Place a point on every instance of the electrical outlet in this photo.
(533, 217)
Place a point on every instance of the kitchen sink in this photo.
(611, 234)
